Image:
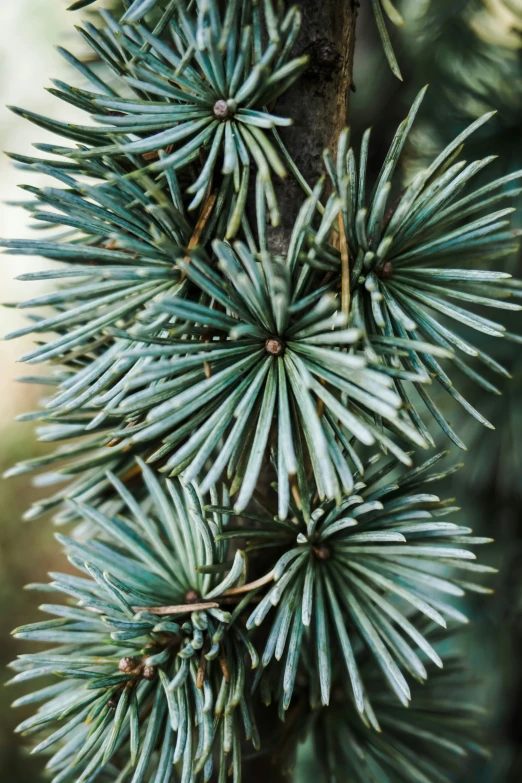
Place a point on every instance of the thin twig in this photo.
(294, 488)
(250, 586)
(202, 220)
(181, 608)
(178, 609)
(345, 268)
(131, 473)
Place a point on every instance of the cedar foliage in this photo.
(248, 523)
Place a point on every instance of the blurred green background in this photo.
(29, 29)
(471, 53)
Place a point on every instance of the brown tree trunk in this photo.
(318, 103)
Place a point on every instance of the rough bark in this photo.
(318, 104)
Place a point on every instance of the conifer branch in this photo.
(237, 369)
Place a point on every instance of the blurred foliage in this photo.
(19, 564)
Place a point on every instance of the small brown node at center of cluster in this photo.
(321, 552)
(129, 664)
(221, 110)
(274, 346)
(191, 597)
(385, 270)
(136, 667)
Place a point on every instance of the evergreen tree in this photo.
(258, 337)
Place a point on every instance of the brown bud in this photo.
(385, 270)
(322, 552)
(274, 346)
(149, 672)
(221, 110)
(128, 664)
(191, 597)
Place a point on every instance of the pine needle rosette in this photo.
(201, 80)
(419, 267)
(138, 673)
(267, 352)
(350, 576)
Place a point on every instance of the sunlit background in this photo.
(29, 32)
